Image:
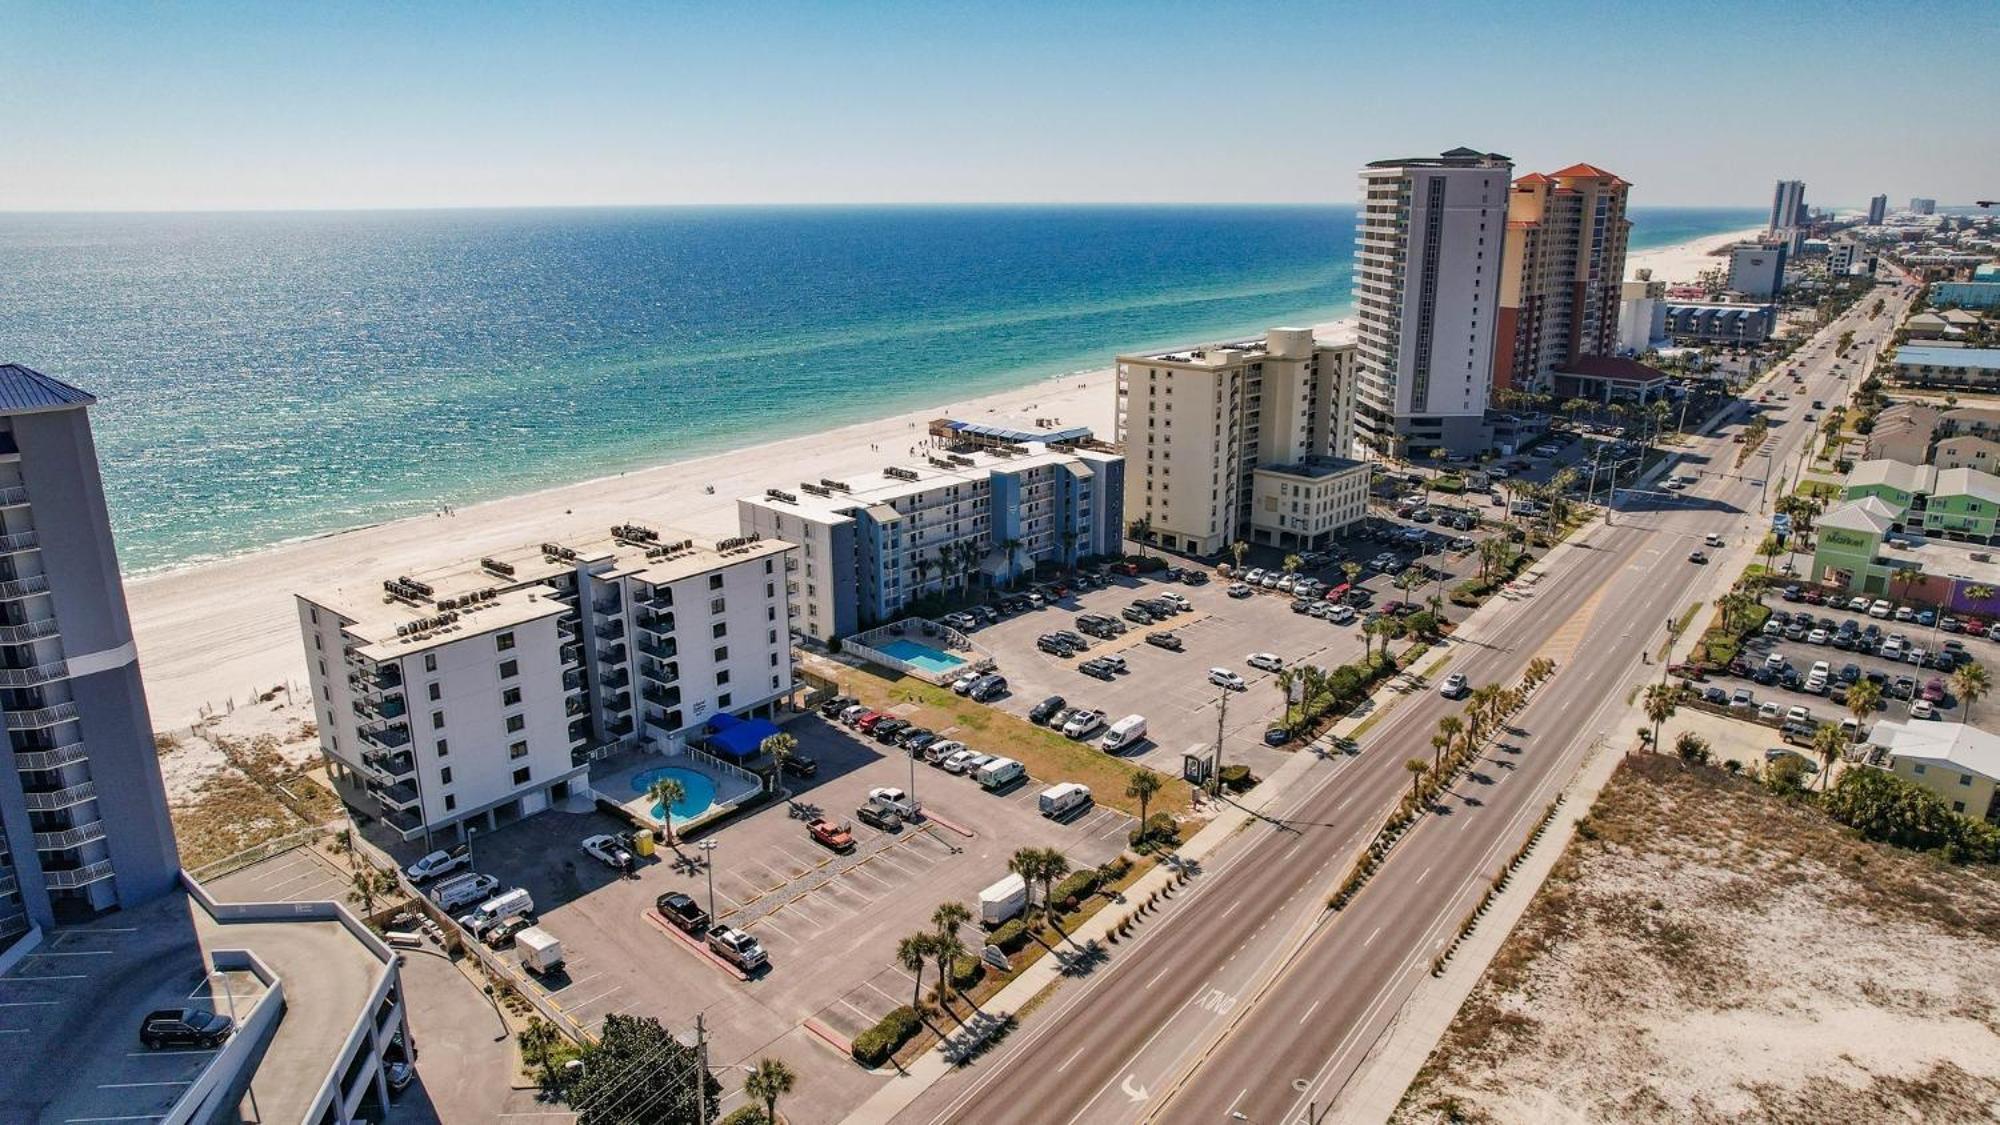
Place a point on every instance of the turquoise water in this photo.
(699, 796)
(923, 656)
(264, 377)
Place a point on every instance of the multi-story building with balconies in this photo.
(1199, 424)
(867, 549)
(1427, 267)
(1562, 275)
(483, 691)
(83, 811)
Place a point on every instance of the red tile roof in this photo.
(1586, 171)
(1533, 178)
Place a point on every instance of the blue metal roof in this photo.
(1003, 433)
(24, 389)
(1949, 357)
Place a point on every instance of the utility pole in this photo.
(701, 1078)
(1221, 714)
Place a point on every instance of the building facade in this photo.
(1958, 762)
(1878, 209)
(480, 694)
(83, 811)
(1963, 368)
(1757, 270)
(867, 549)
(1561, 277)
(1922, 206)
(1642, 314)
(1306, 504)
(1788, 208)
(1427, 258)
(1197, 424)
(1720, 323)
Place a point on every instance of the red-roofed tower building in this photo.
(1562, 268)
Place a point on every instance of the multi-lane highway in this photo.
(1249, 997)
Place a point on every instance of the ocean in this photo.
(267, 376)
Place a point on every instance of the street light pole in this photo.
(708, 862)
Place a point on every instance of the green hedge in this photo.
(1011, 936)
(746, 1115)
(966, 972)
(1236, 779)
(874, 1047)
(1079, 885)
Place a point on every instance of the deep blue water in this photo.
(268, 376)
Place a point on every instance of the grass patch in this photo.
(1818, 489)
(1048, 755)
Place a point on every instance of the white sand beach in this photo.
(1685, 261)
(211, 636)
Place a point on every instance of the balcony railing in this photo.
(54, 759)
(664, 650)
(24, 587)
(43, 717)
(390, 765)
(62, 798)
(13, 497)
(30, 677)
(619, 728)
(665, 697)
(388, 678)
(32, 631)
(611, 655)
(659, 623)
(73, 838)
(381, 709)
(568, 626)
(18, 542)
(657, 672)
(73, 877)
(572, 653)
(401, 795)
(572, 682)
(620, 702)
(612, 630)
(393, 737)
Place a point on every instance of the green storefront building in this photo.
(1848, 550)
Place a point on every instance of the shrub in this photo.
(1160, 831)
(1113, 869)
(1079, 885)
(873, 1047)
(1882, 806)
(1237, 778)
(966, 972)
(746, 1115)
(1011, 935)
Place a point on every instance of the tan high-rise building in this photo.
(1201, 425)
(1561, 277)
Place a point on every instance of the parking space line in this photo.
(856, 1010)
(884, 859)
(168, 1054)
(137, 1085)
(797, 908)
(575, 1008)
(574, 982)
(28, 1003)
(766, 922)
(857, 869)
(830, 903)
(51, 976)
(893, 1001)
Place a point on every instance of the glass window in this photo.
(516, 724)
(518, 750)
(437, 720)
(521, 776)
(444, 775)
(430, 662)
(511, 697)
(504, 641)
(443, 750)
(509, 669)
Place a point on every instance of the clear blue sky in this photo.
(254, 105)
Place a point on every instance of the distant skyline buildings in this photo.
(1788, 207)
(1878, 209)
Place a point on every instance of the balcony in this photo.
(402, 795)
(381, 710)
(72, 838)
(664, 697)
(616, 704)
(571, 653)
(605, 607)
(13, 497)
(386, 678)
(32, 631)
(72, 877)
(572, 682)
(17, 543)
(662, 597)
(667, 673)
(664, 650)
(393, 737)
(575, 706)
(657, 623)
(579, 733)
(42, 718)
(611, 655)
(62, 798)
(619, 727)
(390, 765)
(568, 626)
(31, 677)
(613, 680)
(8, 884)
(53, 759)
(406, 823)
(24, 588)
(611, 630)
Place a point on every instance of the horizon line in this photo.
(774, 205)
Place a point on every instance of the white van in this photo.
(1061, 800)
(1000, 773)
(1124, 733)
(464, 890)
(504, 905)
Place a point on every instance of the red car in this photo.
(868, 722)
(839, 837)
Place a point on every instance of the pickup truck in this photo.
(683, 912)
(831, 834)
(737, 948)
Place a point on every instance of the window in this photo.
(517, 750)
(717, 605)
(1917, 768)
(722, 701)
(511, 697)
(435, 690)
(444, 775)
(715, 581)
(509, 669)
(314, 614)
(721, 653)
(774, 683)
(504, 641)
(721, 629)
(443, 750)
(437, 720)
(516, 724)
(521, 776)
(1965, 779)
(430, 662)
(772, 635)
(722, 677)
(450, 802)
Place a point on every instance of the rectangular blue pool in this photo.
(935, 661)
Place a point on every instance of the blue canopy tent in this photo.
(738, 739)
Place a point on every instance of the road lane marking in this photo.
(1309, 1012)
(1371, 938)
(1072, 1058)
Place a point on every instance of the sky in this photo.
(211, 105)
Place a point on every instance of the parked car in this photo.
(988, 689)
(1164, 640)
(1239, 590)
(1047, 709)
(605, 849)
(963, 685)
(1224, 678)
(1266, 661)
(882, 819)
(831, 834)
(1083, 725)
(895, 800)
(959, 762)
(737, 948)
(683, 913)
(184, 1027)
(438, 863)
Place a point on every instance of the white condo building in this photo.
(1245, 441)
(484, 690)
(1427, 269)
(869, 547)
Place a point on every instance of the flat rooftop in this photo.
(69, 1033)
(1948, 357)
(1314, 468)
(909, 478)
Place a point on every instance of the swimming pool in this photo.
(935, 661)
(698, 798)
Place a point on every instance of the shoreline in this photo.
(212, 633)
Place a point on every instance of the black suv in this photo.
(681, 910)
(1047, 709)
(184, 1027)
(801, 765)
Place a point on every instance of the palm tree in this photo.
(1141, 787)
(1827, 743)
(368, 885)
(667, 792)
(1236, 552)
(782, 748)
(1027, 863)
(1485, 706)
(1054, 866)
(913, 953)
(946, 949)
(1661, 702)
(1969, 683)
(1286, 679)
(1439, 744)
(1368, 631)
(1139, 529)
(1292, 564)
(1865, 696)
(770, 1080)
(1451, 726)
(1417, 767)
(949, 916)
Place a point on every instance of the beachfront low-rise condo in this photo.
(951, 523)
(481, 693)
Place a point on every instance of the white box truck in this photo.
(1061, 800)
(1003, 900)
(541, 951)
(1124, 734)
(1000, 773)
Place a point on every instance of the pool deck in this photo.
(612, 778)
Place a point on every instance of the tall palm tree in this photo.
(1139, 529)
(1661, 703)
(913, 953)
(1141, 787)
(949, 916)
(1865, 696)
(1439, 744)
(782, 748)
(1827, 743)
(1450, 727)
(1027, 863)
(1285, 680)
(1417, 768)
(1969, 683)
(1292, 564)
(770, 1080)
(1054, 866)
(1237, 550)
(946, 949)
(368, 885)
(667, 792)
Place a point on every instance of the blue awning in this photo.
(736, 738)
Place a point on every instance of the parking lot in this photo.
(829, 922)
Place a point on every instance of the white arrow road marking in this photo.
(1136, 1093)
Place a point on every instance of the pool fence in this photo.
(868, 646)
